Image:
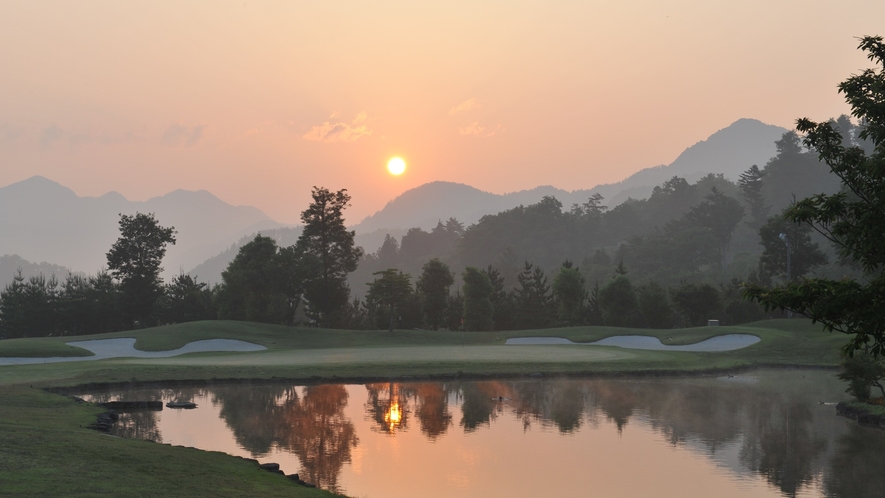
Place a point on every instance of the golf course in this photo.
(46, 447)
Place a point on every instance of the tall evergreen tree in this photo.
(12, 308)
(750, 183)
(329, 254)
(502, 300)
(534, 299)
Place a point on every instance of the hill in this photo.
(45, 221)
(729, 151)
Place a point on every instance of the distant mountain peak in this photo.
(39, 185)
(728, 151)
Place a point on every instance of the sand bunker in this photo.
(728, 342)
(125, 348)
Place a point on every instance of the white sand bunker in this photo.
(125, 348)
(728, 342)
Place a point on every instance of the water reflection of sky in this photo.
(689, 437)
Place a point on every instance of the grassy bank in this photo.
(45, 449)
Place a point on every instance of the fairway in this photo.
(404, 355)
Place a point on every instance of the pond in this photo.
(763, 433)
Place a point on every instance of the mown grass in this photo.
(44, 450)
(40, 347)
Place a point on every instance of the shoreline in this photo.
(470, 377)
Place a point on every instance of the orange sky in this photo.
(257, 101)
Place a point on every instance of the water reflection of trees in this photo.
(778, 435)
(782, 437)
(311, 424)
(251, 414)
(857, 464)
(315, 428)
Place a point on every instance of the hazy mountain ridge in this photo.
(10, 264)
(76, 232)
(45, 221)
(729, 151)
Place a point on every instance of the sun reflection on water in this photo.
(393, 417)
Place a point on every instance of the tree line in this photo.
(685, 248)
(264, 283)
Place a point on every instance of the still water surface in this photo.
(758, 434)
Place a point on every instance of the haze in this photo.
(257, 101)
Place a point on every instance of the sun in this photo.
(396, 166)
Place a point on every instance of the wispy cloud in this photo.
(467, 105)
(340, 131)
(178, 135)
(51, 135)
(475, 129)
(8, 134)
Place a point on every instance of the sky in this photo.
(258, 101)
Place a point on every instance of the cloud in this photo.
(341, 131)
(178, 135)
(8, 134)
(467, 105)
(475, 129)
(51, 135)
(102, 138)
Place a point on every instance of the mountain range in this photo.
(45, 221)
(729, 152)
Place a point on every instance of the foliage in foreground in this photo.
(852, 219)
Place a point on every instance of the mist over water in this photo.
(764, 433)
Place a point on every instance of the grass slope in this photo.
(45, 451)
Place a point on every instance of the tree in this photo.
(478, 309)
(805, 255)
(863, 371)
(502, 301)
(618, 303)
(719, 214)
(750, 183)
(594, 310)
(534, 301)
(696, 303)
(187, 300)
(261, 284)
(433, 288)
(329, 252)
(570, 294)
(389, 291)
(135, 260)
(655, 306)
(12, 308)
(455, 311)
(851, 219)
